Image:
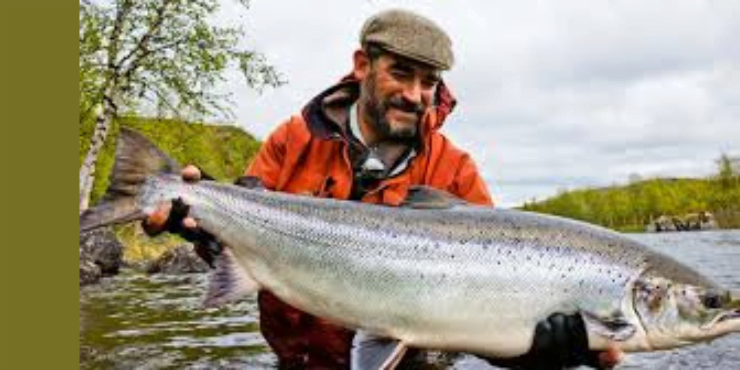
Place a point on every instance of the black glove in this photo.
(560, 341)
(204, 243)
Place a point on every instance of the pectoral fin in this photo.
(229, 281)
(370, 352)
(613, 327)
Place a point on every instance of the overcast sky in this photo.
(552, 95)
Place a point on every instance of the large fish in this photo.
(435, 273)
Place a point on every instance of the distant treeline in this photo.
(631, 207)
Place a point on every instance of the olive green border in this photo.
(39, 312)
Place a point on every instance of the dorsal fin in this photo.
(250, 182)
(425, 197)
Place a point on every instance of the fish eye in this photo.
(712, 300)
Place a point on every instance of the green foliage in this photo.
(163, 55)
(631, 207)
(727, 175)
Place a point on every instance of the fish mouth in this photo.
(729, 315)
(732, 310)
(734, 314)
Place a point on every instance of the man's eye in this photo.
(400, 74)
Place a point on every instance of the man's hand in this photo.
(173, 217)
(561, 341)
(169, 213)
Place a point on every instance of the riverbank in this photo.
(632, 207)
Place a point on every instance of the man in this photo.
(369, 138)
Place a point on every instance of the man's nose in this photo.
(412, 91)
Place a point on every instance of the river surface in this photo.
(155, 322)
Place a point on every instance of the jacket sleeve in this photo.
(469, 185)
(269, 160)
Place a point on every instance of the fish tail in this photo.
(136, 160)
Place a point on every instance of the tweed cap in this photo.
(410, 35)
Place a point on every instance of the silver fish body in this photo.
(456, 277)
(463, 278)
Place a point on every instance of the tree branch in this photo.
(136, 63)
(144, 40)
(122, 12)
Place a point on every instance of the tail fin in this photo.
(136, 159)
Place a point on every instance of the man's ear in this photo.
(361, 64)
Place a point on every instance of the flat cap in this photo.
(410, 35)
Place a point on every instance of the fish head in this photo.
(675, 314)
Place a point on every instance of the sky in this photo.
(551, 95)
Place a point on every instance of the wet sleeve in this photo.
(269, 160)
(469, 184)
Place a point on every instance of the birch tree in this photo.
(166, 54)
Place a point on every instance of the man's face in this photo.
(395, 93)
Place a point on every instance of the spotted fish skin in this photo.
(457, 277)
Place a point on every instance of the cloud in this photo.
(552, 95)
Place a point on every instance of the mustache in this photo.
(402, 104)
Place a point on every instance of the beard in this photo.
(376, 110)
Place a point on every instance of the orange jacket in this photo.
(308, 154)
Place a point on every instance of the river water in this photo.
(155, 322)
